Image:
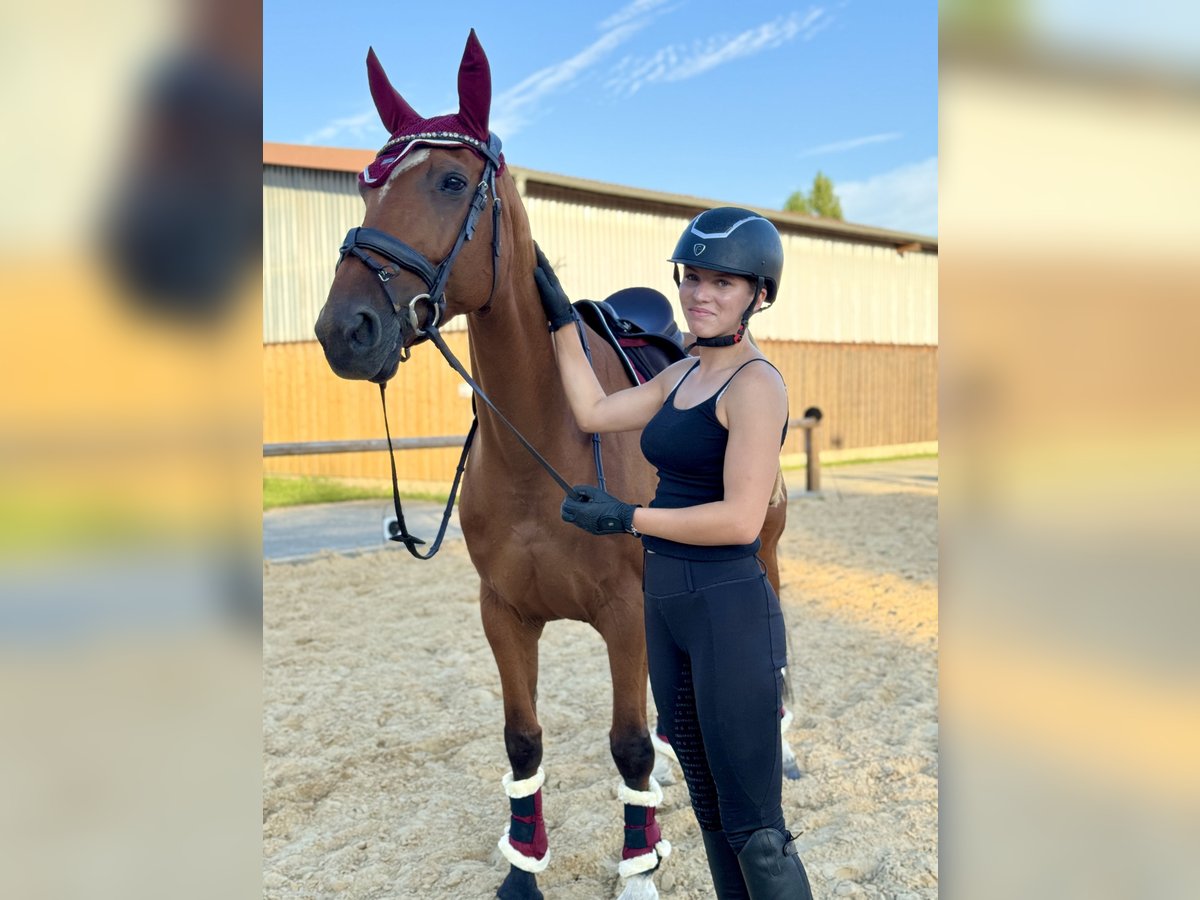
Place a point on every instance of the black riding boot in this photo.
(771, 865)
(723, 864)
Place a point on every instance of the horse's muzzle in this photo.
(358, 343)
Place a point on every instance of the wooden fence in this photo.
(377, 445)
(871, 395)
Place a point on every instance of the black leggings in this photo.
(716, 645)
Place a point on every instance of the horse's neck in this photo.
(512, 358)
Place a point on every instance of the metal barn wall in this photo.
(854, 329)
(306, 214)
(833, 288)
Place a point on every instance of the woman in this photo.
(713, 426)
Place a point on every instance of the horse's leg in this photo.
(632, 751)
(664, 755)
(514, 644)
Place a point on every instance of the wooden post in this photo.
(812, 453)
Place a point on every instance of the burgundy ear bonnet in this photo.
(466, 128)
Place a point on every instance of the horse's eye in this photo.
(454, 183)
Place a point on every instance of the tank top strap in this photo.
(717, 396)
(674, 390)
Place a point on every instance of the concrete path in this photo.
(297, 533)
(906, 472)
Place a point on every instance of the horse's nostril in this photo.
(363, 332)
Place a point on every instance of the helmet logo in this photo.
(697, 249)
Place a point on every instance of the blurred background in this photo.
(1070, 527)
(130, 444)
(130, 573)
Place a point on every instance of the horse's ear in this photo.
(393, 109)
(474, 88)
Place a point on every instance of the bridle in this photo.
(361, 242)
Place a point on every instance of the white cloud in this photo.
(904, 198)
(517, 105)
(852, 143)
(514, 107)
(365, 124)
(631, 11)
(677, 62)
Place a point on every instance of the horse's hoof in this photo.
(639, 887)
(791, 768)
(519, 885)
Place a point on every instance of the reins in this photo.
(359, 240)
(409, 540)
(403, 536)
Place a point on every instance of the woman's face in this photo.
(713, 302)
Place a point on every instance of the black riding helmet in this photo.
(737, 241)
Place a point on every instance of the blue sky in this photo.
(738, 102)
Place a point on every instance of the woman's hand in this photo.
(555, 301)
(598, 512)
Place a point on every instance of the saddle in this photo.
(639, 325)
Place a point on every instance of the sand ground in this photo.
(383, 724)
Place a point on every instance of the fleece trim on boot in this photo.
(519, 859)
(635, 865)
(651, 797)
(526, 787)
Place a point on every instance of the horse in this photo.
(426, 194)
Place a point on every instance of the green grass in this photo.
(279, 491)
(299, 490)
(860, 462)
(882, 459)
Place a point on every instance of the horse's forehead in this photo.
(379, 172)
(415, 158)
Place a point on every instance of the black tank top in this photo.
(687, 446)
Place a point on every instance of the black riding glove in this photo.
(598, 512)
(554, 299)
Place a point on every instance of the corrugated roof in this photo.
(347, 160)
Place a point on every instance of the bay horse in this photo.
(426, 198)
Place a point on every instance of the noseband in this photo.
(365, 243)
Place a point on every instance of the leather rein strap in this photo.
(404, 537)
